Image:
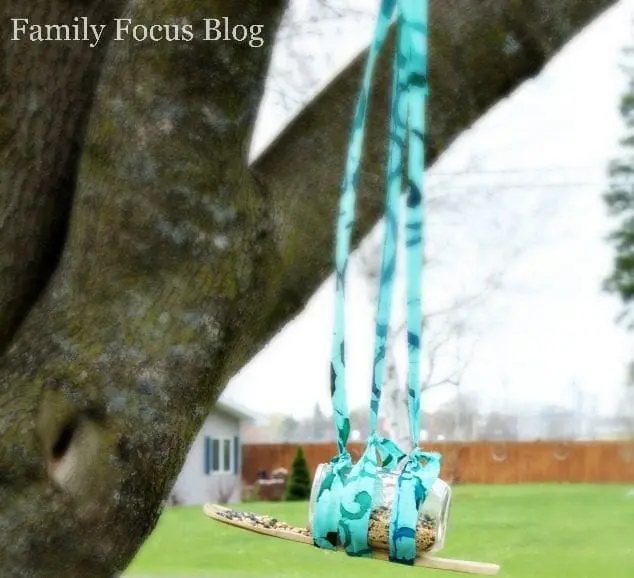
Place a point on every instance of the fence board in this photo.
(481, 462)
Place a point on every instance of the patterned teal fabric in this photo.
(325, 523)
(344, 231)
(347, 493)
(415, 480)
(397, 134)
(327, 514)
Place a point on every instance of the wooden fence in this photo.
(482, 462)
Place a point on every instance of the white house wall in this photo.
(193, 486)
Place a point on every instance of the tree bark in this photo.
(180, 261)
(111, 374)
(46, 91)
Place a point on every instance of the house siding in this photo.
(196, 484)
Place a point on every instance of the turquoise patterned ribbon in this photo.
(325, 523)
(347, 494)
(422, 468)
(362, 484)
(326, 514)
(344, 231)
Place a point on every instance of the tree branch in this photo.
(479, 53)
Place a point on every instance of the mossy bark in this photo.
(180, 261)
(168, 249)
(46, 91)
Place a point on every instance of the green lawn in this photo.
(532, 531)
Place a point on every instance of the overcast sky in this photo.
(528, 179)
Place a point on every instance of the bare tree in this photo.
(144, 261)
(626, 416)
(225, 489)
(292, 81)
(296, 69)
(626, 409)
(449, 335)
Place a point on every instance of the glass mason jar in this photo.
(433, 514)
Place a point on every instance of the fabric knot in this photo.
(414, 483)
(390, 453)
(341, 462)
(425, 466)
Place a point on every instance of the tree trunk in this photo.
(180, 261)
(46, 93)
(111, 374)
(396, 397)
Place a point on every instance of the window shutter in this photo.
(208, 455)
(216, 454)
(236, 455)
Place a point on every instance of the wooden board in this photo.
(215, 511)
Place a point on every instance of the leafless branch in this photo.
(226, 487)
(293, 73)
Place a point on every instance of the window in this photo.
(219, 455)
(226, 460)
(215, 455)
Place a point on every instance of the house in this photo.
(213, 471)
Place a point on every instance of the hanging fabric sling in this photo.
(390, 505)
(348, 495)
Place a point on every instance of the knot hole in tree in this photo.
(78, 445)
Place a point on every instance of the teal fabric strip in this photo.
(421, 469)
(357, 502)
(362, 484)
(344, 231)
(360, 491)
(414, 45)
(394, 178)
(414, 484)
(346, 497)
(326, 517)
(326, 513)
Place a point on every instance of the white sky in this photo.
(527, 176)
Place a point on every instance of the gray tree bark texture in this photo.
(143, 262)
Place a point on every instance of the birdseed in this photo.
(378, 529)
(266, 522)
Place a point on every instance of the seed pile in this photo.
(262, 521)
(378, 530)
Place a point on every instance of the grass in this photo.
(533, 531)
